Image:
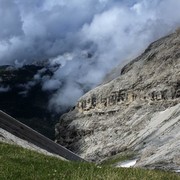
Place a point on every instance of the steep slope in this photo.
(12, 130)
(139, 111)
(7, 137)
(18, 163)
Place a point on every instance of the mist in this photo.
(80, 41)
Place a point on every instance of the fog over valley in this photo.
(79, 41)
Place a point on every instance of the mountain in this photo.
(7, 137)
(22, 97)
(13, 131)
(137, 112)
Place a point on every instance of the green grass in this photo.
(19, 163)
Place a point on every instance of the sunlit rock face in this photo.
(138, 111)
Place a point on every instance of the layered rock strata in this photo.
(138, 111)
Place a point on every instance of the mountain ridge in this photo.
(108, 119)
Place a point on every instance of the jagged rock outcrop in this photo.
(138, 111)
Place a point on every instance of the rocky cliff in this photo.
(139, 111)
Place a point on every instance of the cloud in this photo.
(51, 84)
(4, 89)
(65, 97)
(81, 39)
(11, 24)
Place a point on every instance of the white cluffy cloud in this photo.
(82, 39)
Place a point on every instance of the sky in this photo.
(82, 40)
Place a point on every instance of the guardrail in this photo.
(24, 132)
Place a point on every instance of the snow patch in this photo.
(177, 171)
(127, 164)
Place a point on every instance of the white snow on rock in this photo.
(127, 164)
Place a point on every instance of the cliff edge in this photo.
(139, 111)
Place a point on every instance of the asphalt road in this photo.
(22, 131)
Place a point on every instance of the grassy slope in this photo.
(19, 163)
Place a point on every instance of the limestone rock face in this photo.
(138, 111)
